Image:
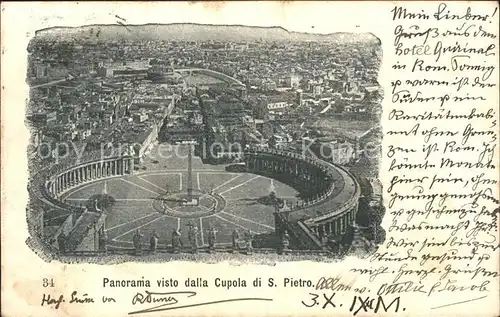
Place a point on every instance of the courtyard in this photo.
(142, 201)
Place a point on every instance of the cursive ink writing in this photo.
(164, 301)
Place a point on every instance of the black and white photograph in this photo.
(250, 158)
(159, 142)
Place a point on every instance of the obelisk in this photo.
(190, 175)
(190, 200)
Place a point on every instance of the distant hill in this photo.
(196, 32)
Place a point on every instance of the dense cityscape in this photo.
(127, 97)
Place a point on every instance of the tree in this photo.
(101, 201)
(371, 217)
(339, 106)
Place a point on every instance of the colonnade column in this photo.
(327, 228)
(131, 165)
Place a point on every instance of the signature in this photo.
(169, 301)
(48, 300)
(55, 302)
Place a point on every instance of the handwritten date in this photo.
(358, 303)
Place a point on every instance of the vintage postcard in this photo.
(250, 159)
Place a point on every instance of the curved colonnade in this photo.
(68, 178)
(329, 193)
